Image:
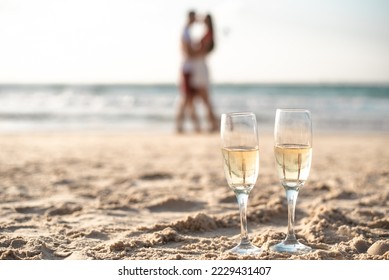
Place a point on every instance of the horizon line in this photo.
(280, 83)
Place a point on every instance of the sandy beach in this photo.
(112, 195)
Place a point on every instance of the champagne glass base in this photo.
(291, 247)
(246, 249)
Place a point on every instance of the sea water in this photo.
(349, 108)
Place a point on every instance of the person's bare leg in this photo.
(213, 123)
(186, 94)
(181, 115)
(193, 114)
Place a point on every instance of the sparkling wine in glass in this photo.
(240, 152)
(293, 155)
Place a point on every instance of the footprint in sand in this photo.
(31, 209)
(360, 244)
(155, 176)
(94, 234)
(64, 182)
(64, 209)
(175, 205)
(228, 199)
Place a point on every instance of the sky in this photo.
(138, 41)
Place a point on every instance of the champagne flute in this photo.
(293, 154)
(240, 152)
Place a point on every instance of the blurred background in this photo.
(114, 65)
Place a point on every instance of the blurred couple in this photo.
(194, 73)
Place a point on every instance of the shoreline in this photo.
(172, 132)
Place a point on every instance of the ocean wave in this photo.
(340, 107)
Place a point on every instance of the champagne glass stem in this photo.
(242, 198)
(291, 196)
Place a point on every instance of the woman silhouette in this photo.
(200, 77)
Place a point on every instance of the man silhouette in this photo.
(188, 92)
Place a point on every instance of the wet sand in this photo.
(164, 196)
